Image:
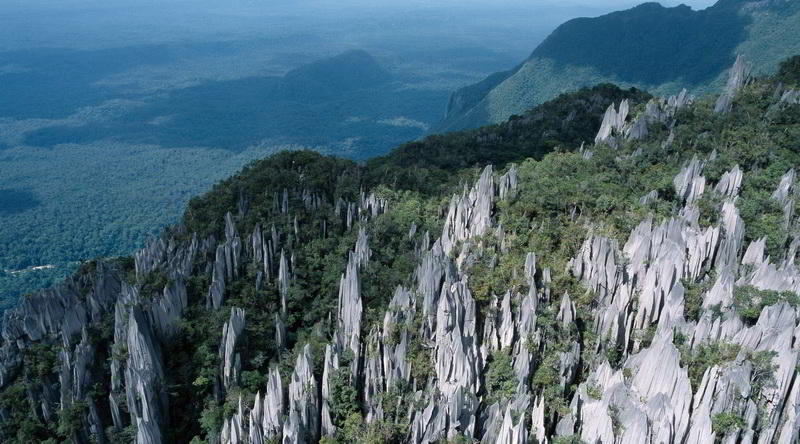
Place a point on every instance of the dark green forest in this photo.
(650, 46)
(154, 143)
(562, 192)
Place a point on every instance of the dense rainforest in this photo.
(608, 266)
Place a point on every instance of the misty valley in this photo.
(131, 132)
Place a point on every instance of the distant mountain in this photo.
(348, 71)
(650, 46)
(344, 103)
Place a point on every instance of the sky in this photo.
(104, 23)
(696, 4)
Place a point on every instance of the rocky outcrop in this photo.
(613, 122)
(144, 380)
(229, 358)
(730, 183)
(689, 183)
(303, 423)
(470, 213)
(348, 331)
(263, 422)
(457, 369)
(784, 194)
(652, 405)
(738, 77)
(283, 282)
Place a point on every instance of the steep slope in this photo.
(638, 287)
(651, 47)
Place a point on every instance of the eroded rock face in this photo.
(144, 378)
(616, 126)
(738, 77)
(229, 358)
(653, 403)
(613, 121)
(470, 213)
(303, 424)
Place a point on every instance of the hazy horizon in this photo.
(183, 93)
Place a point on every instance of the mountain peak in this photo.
(663, 49)
(350, 70)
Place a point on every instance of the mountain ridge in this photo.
(636, 47)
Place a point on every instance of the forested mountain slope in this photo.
(607, 267)
(650, 46)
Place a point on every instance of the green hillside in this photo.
(650, 47)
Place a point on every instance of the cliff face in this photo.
(623, 292)
(637, 47)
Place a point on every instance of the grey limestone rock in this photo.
(374, 384)
(265, 418)
(396, 325)
(273, 412)
(457, 363)
(331, 365)
(433, 271)
(508, 182)
(166, 254)
(303, 424)
(144, 380)
(166, 309)
(733, 237)
(256, 434)
(566, 311)
(284, 281)
(784, 194)
(216, 291)
(656, 111)
(497, 429)
(348, 325)
(227, 349)
(261, 251)
(233, 429)
(361, 252)
(721, 294)
(730, 183)
(790, 431)
(613, 122)
(738, 77)
(280, 332)
(689, 183)
(470, 214)
(372, 205)
(791, 96)
(653, 406)
(649, 197)
(526, 330)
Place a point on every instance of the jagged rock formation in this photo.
(469, 214)
(616, 128)
(230, 360)
(303, 423)
(655, 401)
(613, 121)
(738, 77)
(674, 325)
